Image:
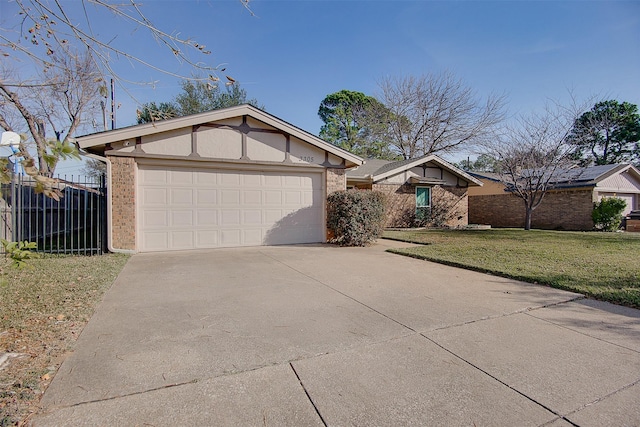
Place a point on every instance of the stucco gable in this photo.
(379, 171)
(625, 180)
(215, 134)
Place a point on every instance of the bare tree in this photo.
(63, 69)
(59, 99)
(533, 153)
(436, 113)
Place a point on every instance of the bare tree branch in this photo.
(70, 65)
(533, 153)
(437, 113)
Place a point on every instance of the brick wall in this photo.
(559, 210)
(123, 203)
(336, 180)
(401, 204)
(455, 200)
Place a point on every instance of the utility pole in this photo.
(113, 106)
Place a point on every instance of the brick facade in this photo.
(401, 204)
(456, 201)
(123, 202)
(336, 180)
(559, 210)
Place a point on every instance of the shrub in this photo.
(607, 214)
(19, 251)
(356, 217)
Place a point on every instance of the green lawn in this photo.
(43, 309)
(605, 266)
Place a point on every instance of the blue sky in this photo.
(291, 54)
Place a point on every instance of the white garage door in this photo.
(191, 209)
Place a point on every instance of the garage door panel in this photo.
(182, 196)
(293, 198)
(291, 181)
(271, 216)
(230, 179)
(272, 198)
(252, 217)
(252, 197)
(230, 197)
(309, 218)
(154, 176)
(206, 217)
(230, 237)
(155, 218)
(252, 237)
(157, 196)
(207, 239)
(206, 197)
(230, 217)
(156, 241)
(251, 180)
(206, 179)
(182, 240)
(273, 181)
(181, 218)
(185, 209)
(178, 177)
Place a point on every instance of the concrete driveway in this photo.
(320, 335)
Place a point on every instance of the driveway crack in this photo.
(542, 405)
(324, 422)
(135, 393)
(636, 382)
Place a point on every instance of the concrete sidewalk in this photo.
(322, 335)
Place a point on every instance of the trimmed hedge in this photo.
(356, 217)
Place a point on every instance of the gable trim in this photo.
(207, 118)
(431, 158)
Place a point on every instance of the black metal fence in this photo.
(76, 224)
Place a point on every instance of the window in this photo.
(423, 197)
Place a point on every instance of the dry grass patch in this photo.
(43, 309)
(605, 266)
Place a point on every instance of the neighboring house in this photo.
(232, 177)
(566, 206)
(427, 183)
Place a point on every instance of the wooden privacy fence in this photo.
(76, 224)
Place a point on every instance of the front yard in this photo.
(604, 266)
(43, 309)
